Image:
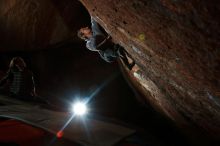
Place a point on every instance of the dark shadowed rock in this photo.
(36, 24)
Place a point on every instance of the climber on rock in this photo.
(97, 41)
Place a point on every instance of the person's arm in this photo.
(33, 93)
(97, 36)
(100, 44)
(95, 27)
(5, 78)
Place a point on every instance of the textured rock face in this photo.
(35, 24)
(176, 45)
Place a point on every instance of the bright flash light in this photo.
(79, 108)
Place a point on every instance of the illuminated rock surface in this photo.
(176, 45)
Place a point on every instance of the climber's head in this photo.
(84, 33)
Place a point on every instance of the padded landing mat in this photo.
(86, 131)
